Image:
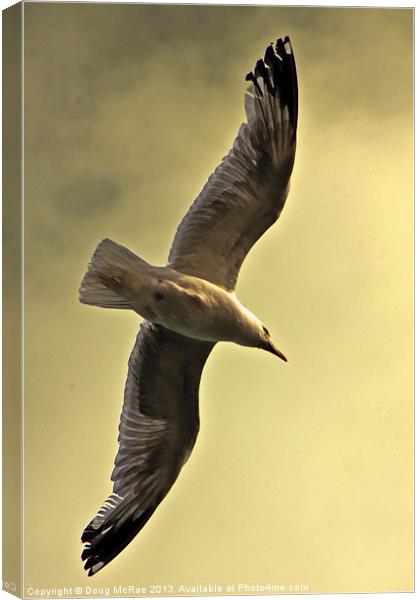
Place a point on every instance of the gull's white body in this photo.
(190, 304)
(195, 308)
(182, 303)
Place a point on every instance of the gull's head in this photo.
(266, 343)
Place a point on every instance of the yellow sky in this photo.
(302, 472)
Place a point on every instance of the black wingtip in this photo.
(284, 46)
(104, 541)
(252, 76)
(278, 72)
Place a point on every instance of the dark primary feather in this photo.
(247, 191)
(158, 427)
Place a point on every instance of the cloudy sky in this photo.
(302, 472)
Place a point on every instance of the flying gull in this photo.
(190, 304)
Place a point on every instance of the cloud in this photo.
(87, 197)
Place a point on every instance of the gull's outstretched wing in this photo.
(158, 428)
(247, 191)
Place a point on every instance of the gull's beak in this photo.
(270, 347)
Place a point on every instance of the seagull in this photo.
(190, 304)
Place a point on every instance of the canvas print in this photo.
(216, 256)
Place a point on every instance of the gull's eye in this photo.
(266, 330)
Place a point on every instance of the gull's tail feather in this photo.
(110, 531)
(105, 283)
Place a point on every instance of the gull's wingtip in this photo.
(95, 568)
(275, 76)
(285, 43)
